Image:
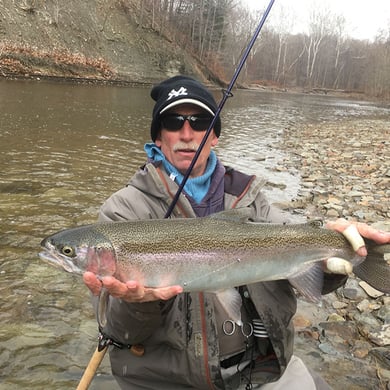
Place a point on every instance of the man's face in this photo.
(179, 146)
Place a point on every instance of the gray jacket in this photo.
(182, 336)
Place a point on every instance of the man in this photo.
(166, 339)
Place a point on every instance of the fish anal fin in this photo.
(309, 282)
(231, 302)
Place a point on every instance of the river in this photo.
(64, 149)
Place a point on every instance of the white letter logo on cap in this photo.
(174, 93)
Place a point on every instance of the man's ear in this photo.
(158, 139)
(215, 140)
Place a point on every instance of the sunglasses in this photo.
(174, 122)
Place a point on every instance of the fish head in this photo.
(80, 249)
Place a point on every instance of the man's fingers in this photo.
(336, 265)
(164, 293)
(351, 233)
(367, 231)
(121, 290)
(92, 282)
(131, 291)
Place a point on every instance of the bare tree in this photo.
(283, 24)
(340, 49)
(318, 29)
(216, 31)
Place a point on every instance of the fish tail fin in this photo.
(375, 269)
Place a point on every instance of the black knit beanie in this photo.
(180, 90)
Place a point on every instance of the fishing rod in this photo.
(227, 93)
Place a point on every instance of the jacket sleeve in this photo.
(132, 323)
(264, 211)
(128, 204)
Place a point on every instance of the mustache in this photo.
(193, 146)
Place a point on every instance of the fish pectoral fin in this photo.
(101, 309)
(231, 302)
(309, 282)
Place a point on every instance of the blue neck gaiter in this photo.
(196, 187)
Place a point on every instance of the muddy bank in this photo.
(93, 40)
(345, 172)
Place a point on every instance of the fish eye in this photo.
(68, 251)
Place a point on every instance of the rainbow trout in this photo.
(213, 253)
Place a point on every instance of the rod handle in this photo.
(91, 369)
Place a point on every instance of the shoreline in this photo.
(345, 173)
(122, 81)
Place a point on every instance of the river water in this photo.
(64, 149)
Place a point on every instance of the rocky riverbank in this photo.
(345, 172)
(344, 168)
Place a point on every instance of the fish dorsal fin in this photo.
(316, 223)
(309, 281)
(243, 214)
(231, 302)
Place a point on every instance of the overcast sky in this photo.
(363, 18)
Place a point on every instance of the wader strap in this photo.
(164, 181)
(261, 335)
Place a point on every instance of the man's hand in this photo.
(130, 291)
(354, 233)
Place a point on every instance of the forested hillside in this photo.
(146, 40)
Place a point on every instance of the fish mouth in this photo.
(53, 257)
